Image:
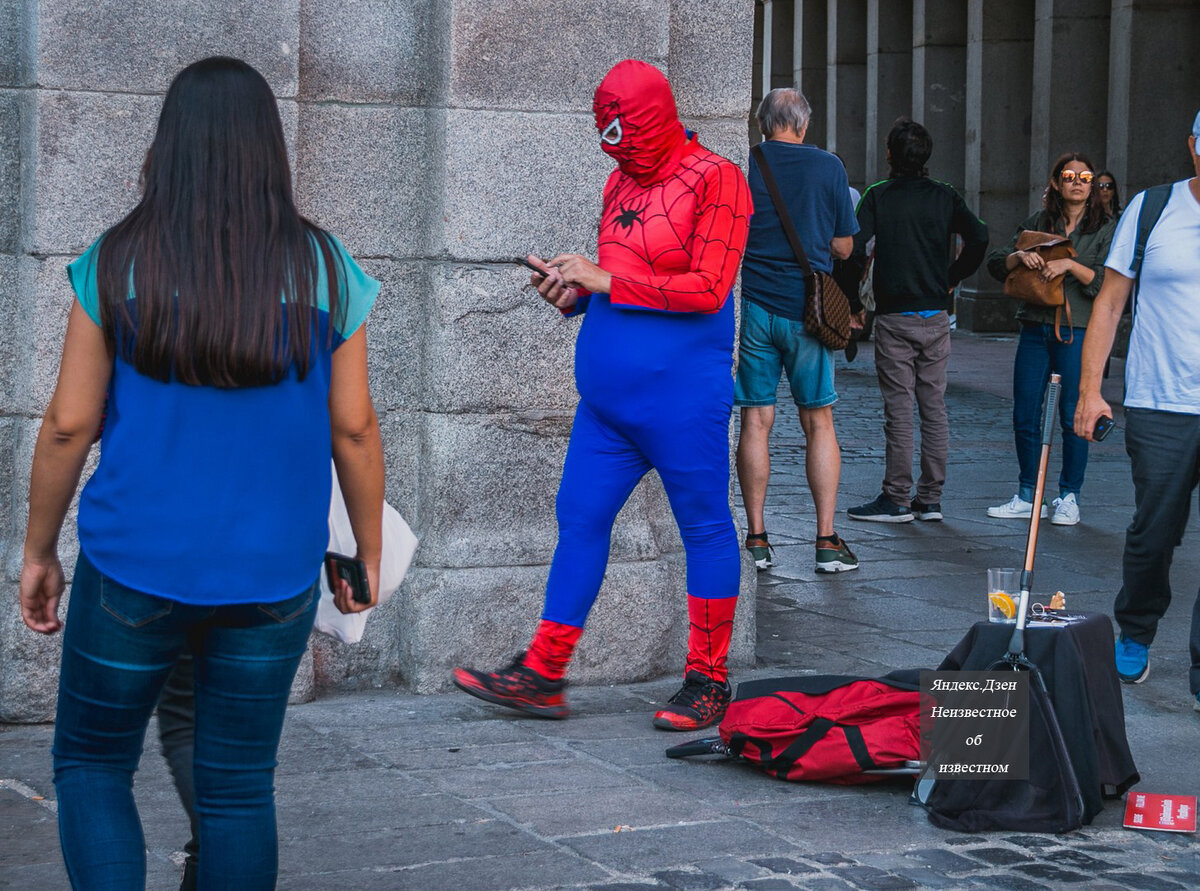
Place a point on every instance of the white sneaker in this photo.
(1018, 509)
(1066, 511)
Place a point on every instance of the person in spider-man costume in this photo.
(653, 367)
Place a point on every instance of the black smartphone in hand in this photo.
(353, 570)
(529, 265)
(1104, 426)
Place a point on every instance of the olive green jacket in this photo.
(1092, 250)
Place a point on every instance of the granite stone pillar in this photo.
(999, 84)
(846, 87)
(438, 140)
(1068, 112)
(889, 78)
(1154, 91)
(939, 78)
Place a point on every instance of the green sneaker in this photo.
(836, 557)
(760, 549)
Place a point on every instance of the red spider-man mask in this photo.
(638, 123)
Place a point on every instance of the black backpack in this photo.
(1049, 801)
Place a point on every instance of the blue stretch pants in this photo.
(1039, 353)
(118, 648)
(606, 458)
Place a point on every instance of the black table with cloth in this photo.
(1076, 661)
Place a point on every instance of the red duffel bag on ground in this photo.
(824, 728)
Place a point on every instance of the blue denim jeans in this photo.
(1038, 354)
(118, 648)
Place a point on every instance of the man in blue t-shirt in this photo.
(773, 340)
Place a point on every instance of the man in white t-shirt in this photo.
(1162, 407)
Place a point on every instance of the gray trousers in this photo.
(1164, 453)
(911, 354)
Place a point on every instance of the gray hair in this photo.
(784, 108)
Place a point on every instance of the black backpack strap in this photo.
(785, 218)
(1154, 201)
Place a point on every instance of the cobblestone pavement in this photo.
(380, 790)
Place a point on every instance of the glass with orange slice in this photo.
(1004, 592)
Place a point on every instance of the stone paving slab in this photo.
(385, 790)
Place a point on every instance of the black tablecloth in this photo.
(1077, 662)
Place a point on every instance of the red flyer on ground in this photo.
(1168, 813)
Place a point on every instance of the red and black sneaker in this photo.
(518, 687)
(700, 702)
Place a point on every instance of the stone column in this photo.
(1068, 111)
(846, 88)
(438, 140)
(517, 168)
(999, 84)
(810, 70)
(1151, 104)
(889, 78)
(939, 83)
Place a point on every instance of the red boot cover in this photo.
(708, 638)
(551, 649)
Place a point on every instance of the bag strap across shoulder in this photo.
(1154, 202)
(781, 209)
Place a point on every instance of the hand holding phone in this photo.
(1104, 426)
(350, 570)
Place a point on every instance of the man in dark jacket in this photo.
(913, 219)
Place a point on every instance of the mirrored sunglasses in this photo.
(1069, 176)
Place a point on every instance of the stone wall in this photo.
(438, 140)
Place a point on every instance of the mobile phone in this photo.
(354, 571)
(529, 265)
(1104, 426)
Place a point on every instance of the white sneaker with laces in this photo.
(1016, 509)
(1066, 511)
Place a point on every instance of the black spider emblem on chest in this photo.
(628, 216)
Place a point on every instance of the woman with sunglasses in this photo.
(1110, 197)
(1070, 207)
(226, 333)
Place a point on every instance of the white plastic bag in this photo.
(399, 545)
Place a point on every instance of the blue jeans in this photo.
(1038, 354)
(118, 648)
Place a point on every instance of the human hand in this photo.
(1031, 259)
(343, 594)
(858, 320)
(1088, 410)
(1055, 268)
(552, 287)
(581, 271)
(41, 586)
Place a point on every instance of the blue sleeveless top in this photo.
(215, 496)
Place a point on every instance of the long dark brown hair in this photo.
(223, 267)
(1053, 206)
(1116, 194)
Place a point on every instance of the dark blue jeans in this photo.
(1038, 354)
(118, 648)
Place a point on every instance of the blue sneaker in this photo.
(1133, 660)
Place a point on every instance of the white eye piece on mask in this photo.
(612, 133)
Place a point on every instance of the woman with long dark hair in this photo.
(1110, 195)
(1070, 207)
(225, 334)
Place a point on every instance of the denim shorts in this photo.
(772, 345)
